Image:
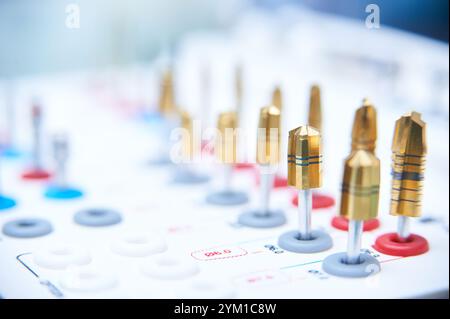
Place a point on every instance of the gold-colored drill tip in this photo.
(305, 158)
(360, 186)
(277, 98)
(188, 145)
(315, 108)
(226, 142)
(167, 104)
(408, 165)
(364, 133)
(268, 147)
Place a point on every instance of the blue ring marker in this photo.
(335, 265)
(257, 219)
(27, 228)
(55, 192)
(7, 203)
(152, 117)
(97, 217)
(320, 241)
(227, 198)
(10, 152)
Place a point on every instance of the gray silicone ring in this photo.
(257, 219)
(320, 241)
(27, 228)
(335, 265)
(188, 177)
(97, 217)
(227, 198)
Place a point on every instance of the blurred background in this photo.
(81, 54)
(34, 37)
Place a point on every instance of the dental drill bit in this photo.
(60, 154)
(364, 132)
(226, 153)
(187, 147)
(359, 197)
(409, 148)
(36, 171)
(185, 170)
(315, 108)
(167, 104)
(408, 166)
(60, 189)
(268, 158)
(268, 151)
(361, 182)
(277, 98)
(305, 171)
(305, 174)
(359, 202)
(364, 137)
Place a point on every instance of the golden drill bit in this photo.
(364, 133)
(167, 105)
(305, 158)
(360, 186)
(315, 108)
(277, 98)
(187, 145)
(269, 135)
(408, 165)
(226, 142)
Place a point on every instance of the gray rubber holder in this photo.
(335, 265)
(256, 219)
(227, 198)
(27, 228)
(160, 161)
(189, 177)
(320, 241)
(97, 217)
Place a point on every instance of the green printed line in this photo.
(311, 262)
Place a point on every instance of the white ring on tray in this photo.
(61, 256)
(139, 245)
(87, 279)
(169, 267)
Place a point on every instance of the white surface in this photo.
(109, 157)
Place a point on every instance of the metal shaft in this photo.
(37, 142)
(266, 183)
(60, 175)
(355, 230)
(403, 228)
(227, 174)
(305, 209)
(61, 152)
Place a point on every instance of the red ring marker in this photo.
(244, 166)
(390, 245)
(36, 174)
(341, 223)
(278, 182)
(319, 201)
